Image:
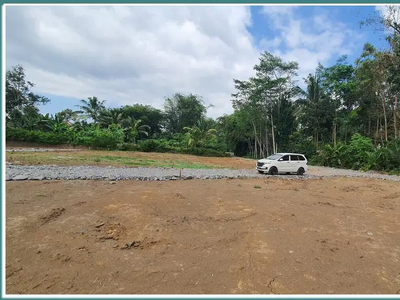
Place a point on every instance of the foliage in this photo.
(182, 111)
(91, 108)
(50, 138)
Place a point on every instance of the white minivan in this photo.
(283, 163)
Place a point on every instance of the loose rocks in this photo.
(17, 172)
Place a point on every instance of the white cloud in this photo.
(272, 43)
(130, 54)
(139, 54)
(310, 40)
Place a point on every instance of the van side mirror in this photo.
(280, 159)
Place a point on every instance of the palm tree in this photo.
(133, 129)
(313, 108)
(55, 124)
(91, 108)
(110, 116)
(201, 132)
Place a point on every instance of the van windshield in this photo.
(274, 156)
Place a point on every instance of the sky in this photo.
(143, 54)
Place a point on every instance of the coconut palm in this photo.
(91, 108)
(133, 129)
(110, 116)
(201, 132)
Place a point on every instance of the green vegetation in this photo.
(347, 116)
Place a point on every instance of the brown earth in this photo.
(264, 236)
(149, 159)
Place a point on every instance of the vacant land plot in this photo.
(201, 236)
(126, 158)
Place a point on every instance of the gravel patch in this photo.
(52, 172)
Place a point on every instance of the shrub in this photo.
(300, 144)
(359, 151)
(333, 156)
(19, 134)
(127, 147)
(161, 146)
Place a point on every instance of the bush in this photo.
(300, 144)
(127, 147)
(23, 135)
(359, 152)
(333, 156)
(161, 146)
(95, 137)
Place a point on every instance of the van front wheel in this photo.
(273, 171)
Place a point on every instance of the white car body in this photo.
(283, 163)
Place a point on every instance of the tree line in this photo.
(347, 116)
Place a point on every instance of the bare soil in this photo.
(124, 158)
(264, 236)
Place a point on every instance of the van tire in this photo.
(300, 171)
(273, 171)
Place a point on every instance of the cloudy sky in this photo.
(132, 54)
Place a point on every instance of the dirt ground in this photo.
(123, 158)
(263, 236)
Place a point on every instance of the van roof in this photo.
(290, 154)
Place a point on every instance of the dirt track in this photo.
(286, 237)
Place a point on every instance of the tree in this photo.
(260, 98)
(316, 110)
(200, 133)
(90, 109)
(182, 111)
(20, 100)
(149, 115)
(68, 115)
(110, 116)
(133, 129)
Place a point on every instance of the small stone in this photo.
(100, 224)
(370, 233)
(21, 177)
(291, 251)
(112, 182)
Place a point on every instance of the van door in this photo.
(294, 163)
(284, 164)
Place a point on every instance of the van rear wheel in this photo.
(300, 171)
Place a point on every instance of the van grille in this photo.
(260, 164)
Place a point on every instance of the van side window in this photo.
(301, 157)
(285, 158)
(294, 158)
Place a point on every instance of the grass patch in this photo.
(395, 172)
(111, 158)
(257, 187)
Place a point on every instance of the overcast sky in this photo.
(132, 54)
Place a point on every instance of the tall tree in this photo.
(149, 115)
(261, 97)
(20, 100)
(183, 111)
